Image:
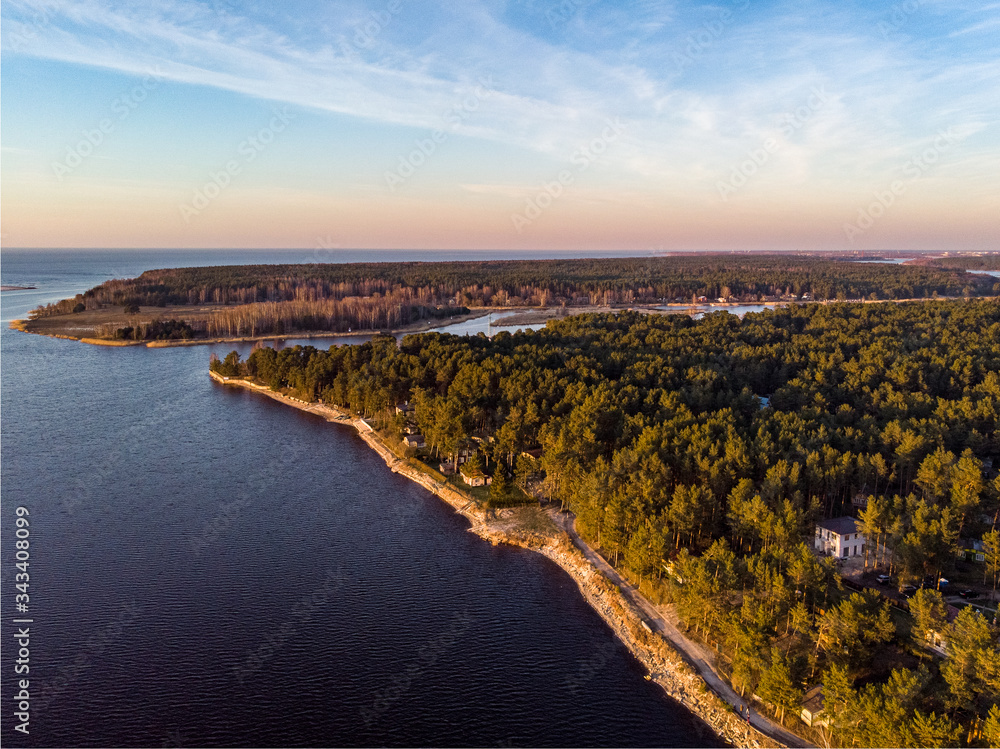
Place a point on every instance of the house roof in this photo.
(840, 526)
(813, 700)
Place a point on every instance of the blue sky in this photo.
(534, 123)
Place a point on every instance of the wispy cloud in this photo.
(698, 85)
(551, 93)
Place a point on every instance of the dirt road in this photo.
(665, 623)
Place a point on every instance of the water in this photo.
(887, 260)
(485, 324)
(211, 568)
(28, 268)
(735, 309)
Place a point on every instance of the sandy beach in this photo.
(548, 532)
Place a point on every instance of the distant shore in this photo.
(62, 326)
(542, 531)
(82, 326)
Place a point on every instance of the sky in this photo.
(529, 124)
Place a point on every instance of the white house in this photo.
(839, 537)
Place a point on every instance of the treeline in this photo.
(656, 433)
(535, 282)
(282, 318)
(157, 330)
(368, 313)
(967, 262)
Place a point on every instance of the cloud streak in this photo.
(698, 84)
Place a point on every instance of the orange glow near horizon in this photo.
(135, 217)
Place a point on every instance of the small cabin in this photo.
(474, 476)
(812, 708)
(938, 641)
(414, 440)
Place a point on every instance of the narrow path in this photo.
(695, 654)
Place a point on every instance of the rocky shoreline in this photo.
(665, 666)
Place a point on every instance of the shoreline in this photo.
(520, 316)
(666, 665)
(24, 327)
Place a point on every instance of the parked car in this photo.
(907, 591)
(883, 579)
(969, 594)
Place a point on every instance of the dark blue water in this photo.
(210, 568)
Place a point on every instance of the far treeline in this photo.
(656, 432)
(266, 299)
(967, 262)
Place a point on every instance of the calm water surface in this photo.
(210, 568)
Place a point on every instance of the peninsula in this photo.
(707, 462)
(181, 306)
(809, 495)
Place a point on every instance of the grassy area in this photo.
(481, 494)
(422, 466)
(535, 520)
(86, 324)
